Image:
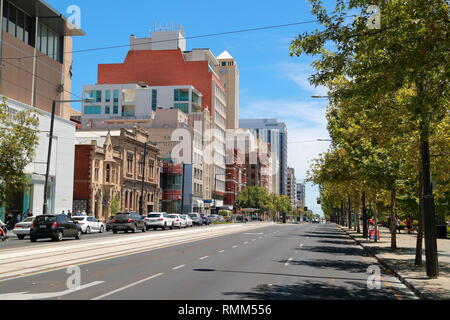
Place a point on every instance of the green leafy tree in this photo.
(115, 205)
(18, 140)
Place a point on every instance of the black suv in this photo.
(55, 227)
(128, 221)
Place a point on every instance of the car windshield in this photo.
(173, 216)
(193, 215)
(154, 215)
(78, 218)
(28, 220)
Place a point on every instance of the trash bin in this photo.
(441, 232)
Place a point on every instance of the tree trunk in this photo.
(342, 214)
(393, 220)
(364, 214)
(428, 212)
(349, 212)
(419, 250)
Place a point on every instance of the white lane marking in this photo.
(253, 234)
(128, 286)
(179, 267)
(246, 242)
(254, 240)
(287, 263)
(205, 257)
(221, 251)
(48, 295)
(301, 245)
(234, 247)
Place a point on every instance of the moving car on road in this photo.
(189, 222)
(90, 224)
(157, 220)
(22, 229)
(128, 221)
(196, 218)
(56, 227)
(177, 221)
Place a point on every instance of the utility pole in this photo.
(183, 177)
(49, 157)
(141, 205)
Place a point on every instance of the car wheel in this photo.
(78, 236)
(134, 229)
(165, 226)
(59, 237)
(173, 226)
(102, 229)
(21, 237)
(88, 230)
(114, 231)
(154, 228)
(144, 229)
(33, 239)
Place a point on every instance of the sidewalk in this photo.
(401, 262)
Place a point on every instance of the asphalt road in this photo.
(313, 262)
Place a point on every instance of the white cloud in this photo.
(300, 73)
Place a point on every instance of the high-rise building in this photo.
(292, 186)
(228, 72)
(162, 60)
(35, 69)
(301, 195)
(276, 134)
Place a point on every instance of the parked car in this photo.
(189, 222)
(55, 227)
(178, 222)
(108, 226)
(89, 224)
(22, 229)
(128, 221)
(206, 219)
(214, 218)
(157, 220)
(196, 218)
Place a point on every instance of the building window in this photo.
(18, 23)
(182, 106)
(154, 99)
(92, 110)
(116, 108)
(108, 96)
(130, 163)
(108, 173)
(96, 170)
(181, 95)
(97, 95)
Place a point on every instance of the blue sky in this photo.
(273, 84)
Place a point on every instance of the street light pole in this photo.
(49, 156)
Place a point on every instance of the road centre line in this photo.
(205, 257)
(289, 260)
(179, 267)
(127, 286)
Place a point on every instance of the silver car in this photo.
(178, 222)
(22, 229)
(189, 222)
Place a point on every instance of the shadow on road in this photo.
(309, 290)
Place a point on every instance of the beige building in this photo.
(229, 74)
(111, 163)
(180, 144)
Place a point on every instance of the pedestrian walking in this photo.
(19, 218)
(409, 225)
(2, 231)
(399, 227)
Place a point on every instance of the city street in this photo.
(254, 261)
